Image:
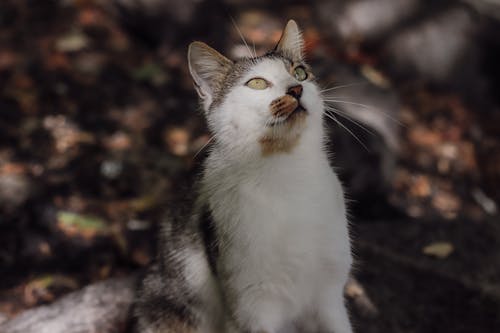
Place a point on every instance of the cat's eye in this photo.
(257, 83)
(300, 73)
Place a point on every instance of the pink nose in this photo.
(295, 91)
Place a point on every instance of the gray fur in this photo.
(165, 297)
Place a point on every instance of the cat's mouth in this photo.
(298, 112)
(285, 127)
(285, 110)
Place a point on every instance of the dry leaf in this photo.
(447, 203)
(440, 250)
(376, 77)
(72, 42)
(177, 140)
(88, 227)
(141, 257)
(40, 289)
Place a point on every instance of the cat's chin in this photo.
(284, 134)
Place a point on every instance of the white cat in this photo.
(266, 247)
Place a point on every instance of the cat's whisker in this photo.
(348, 102)
(332, 117)
(368, 107)
(343, 86)
(346, 116)
(205, 145)
(242, 38)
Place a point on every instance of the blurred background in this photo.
(100, 130)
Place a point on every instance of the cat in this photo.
(264, 247)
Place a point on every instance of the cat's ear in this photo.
(291, 43)
(208, 69)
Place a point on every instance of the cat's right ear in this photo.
(291, 43)
(208, 69)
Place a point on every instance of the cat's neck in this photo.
(309, 143)
(307, 157)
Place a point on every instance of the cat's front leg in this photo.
(332, 311)
(257, 314)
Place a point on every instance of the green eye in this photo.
(257, 83)
(300, 73)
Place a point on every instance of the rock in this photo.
(434, 43)
(3, 318)
(437, 49)
(363, 19)
(99, 308)
(490, 8)
(15, 189)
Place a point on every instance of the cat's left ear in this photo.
(208, 69)
(291, 43)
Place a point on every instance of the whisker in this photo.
(346, 116)
(343, 86)
(204, 146)
(349, 102)
(368, 107)
(332, 117)
(241, 36)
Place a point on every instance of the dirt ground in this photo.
(99, 129)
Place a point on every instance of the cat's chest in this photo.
(283, 237)
(283, 217)
(278, 212)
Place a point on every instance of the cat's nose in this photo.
(295, 91)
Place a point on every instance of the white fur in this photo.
(281, 219)
(210, 310)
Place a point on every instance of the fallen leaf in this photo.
(141, 257)
(420, 186)
(363, 303)
(39, 289)
(424, 137)
(118, 141)
(74, 41)
(440, 250)
(74, 224)
(144, 203)
(177, 140)
(447, 203)
(375, 76)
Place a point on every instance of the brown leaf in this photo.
(422, 136)
(177, 140)
(118, 141)
(420, 186)
(74, 41)
(85, 226)
(447, 203)
(39, 289)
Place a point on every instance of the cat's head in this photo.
(259, 105)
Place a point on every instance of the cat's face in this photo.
(260, 105)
